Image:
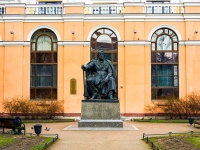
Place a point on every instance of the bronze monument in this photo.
(100, 80)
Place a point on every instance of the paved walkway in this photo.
(108, 140)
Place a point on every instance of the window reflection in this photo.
(165, 57)
(164, 93)
(164, 70)
(165, 81)
(104, 39)
(164, 43)
(175, 80)
(175, 57)
(44, 43)
(108, 56)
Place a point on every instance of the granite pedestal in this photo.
(100, 113)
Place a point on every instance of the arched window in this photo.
(43, 65)
(106, 39)
(164, 64)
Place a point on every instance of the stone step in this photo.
(101, 123)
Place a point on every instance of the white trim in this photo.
(120, 43)
(108, 17)
(87, 43)
(104, 26)
(181, 43)
(134, 3)
(132, 43)
(43, 21)
(43, 5)
(102, 17)
(14, 5)
(43, 18)
(161, 19)
(164, 4)
(191, 4)
(108, 20)
(26, 43)
(192, 43)
(104, 4)
(14, 43)
(73, 43)
(164, 26)
(78, 4)
(43, 26)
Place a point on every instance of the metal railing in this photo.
(103, 9)
(146, 137)
(2, 10)
(164, 8)
(44, 9)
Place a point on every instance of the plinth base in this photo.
(100, 113)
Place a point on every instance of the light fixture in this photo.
(135, 31)
(11, 32)
(196, 31)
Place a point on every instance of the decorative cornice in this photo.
(14, 5)
(73, 17)
(192, 4)
(104, 4)
(103, 17)
(78, 4)
(134, 4)
(106, 17)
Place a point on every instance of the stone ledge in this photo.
(100, 121)
(101, 100)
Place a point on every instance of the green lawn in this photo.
(163, 120)
(6, 140)
(195, 140)
(42, 146)
(36, 141)
(47, 120)
(177, 139)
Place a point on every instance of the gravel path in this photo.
(108, 140)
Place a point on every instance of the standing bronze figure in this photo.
(100, 80)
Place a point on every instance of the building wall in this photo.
(134, 55)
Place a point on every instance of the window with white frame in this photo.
(43, 65)
(164, 64)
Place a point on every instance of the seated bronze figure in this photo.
(100, 78)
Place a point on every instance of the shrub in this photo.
(178, 108)
(35, 109)
(193, 104)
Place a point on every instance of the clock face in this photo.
(164, 42)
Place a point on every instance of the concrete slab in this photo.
(76, 128)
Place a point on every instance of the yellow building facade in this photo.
(60, 39)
